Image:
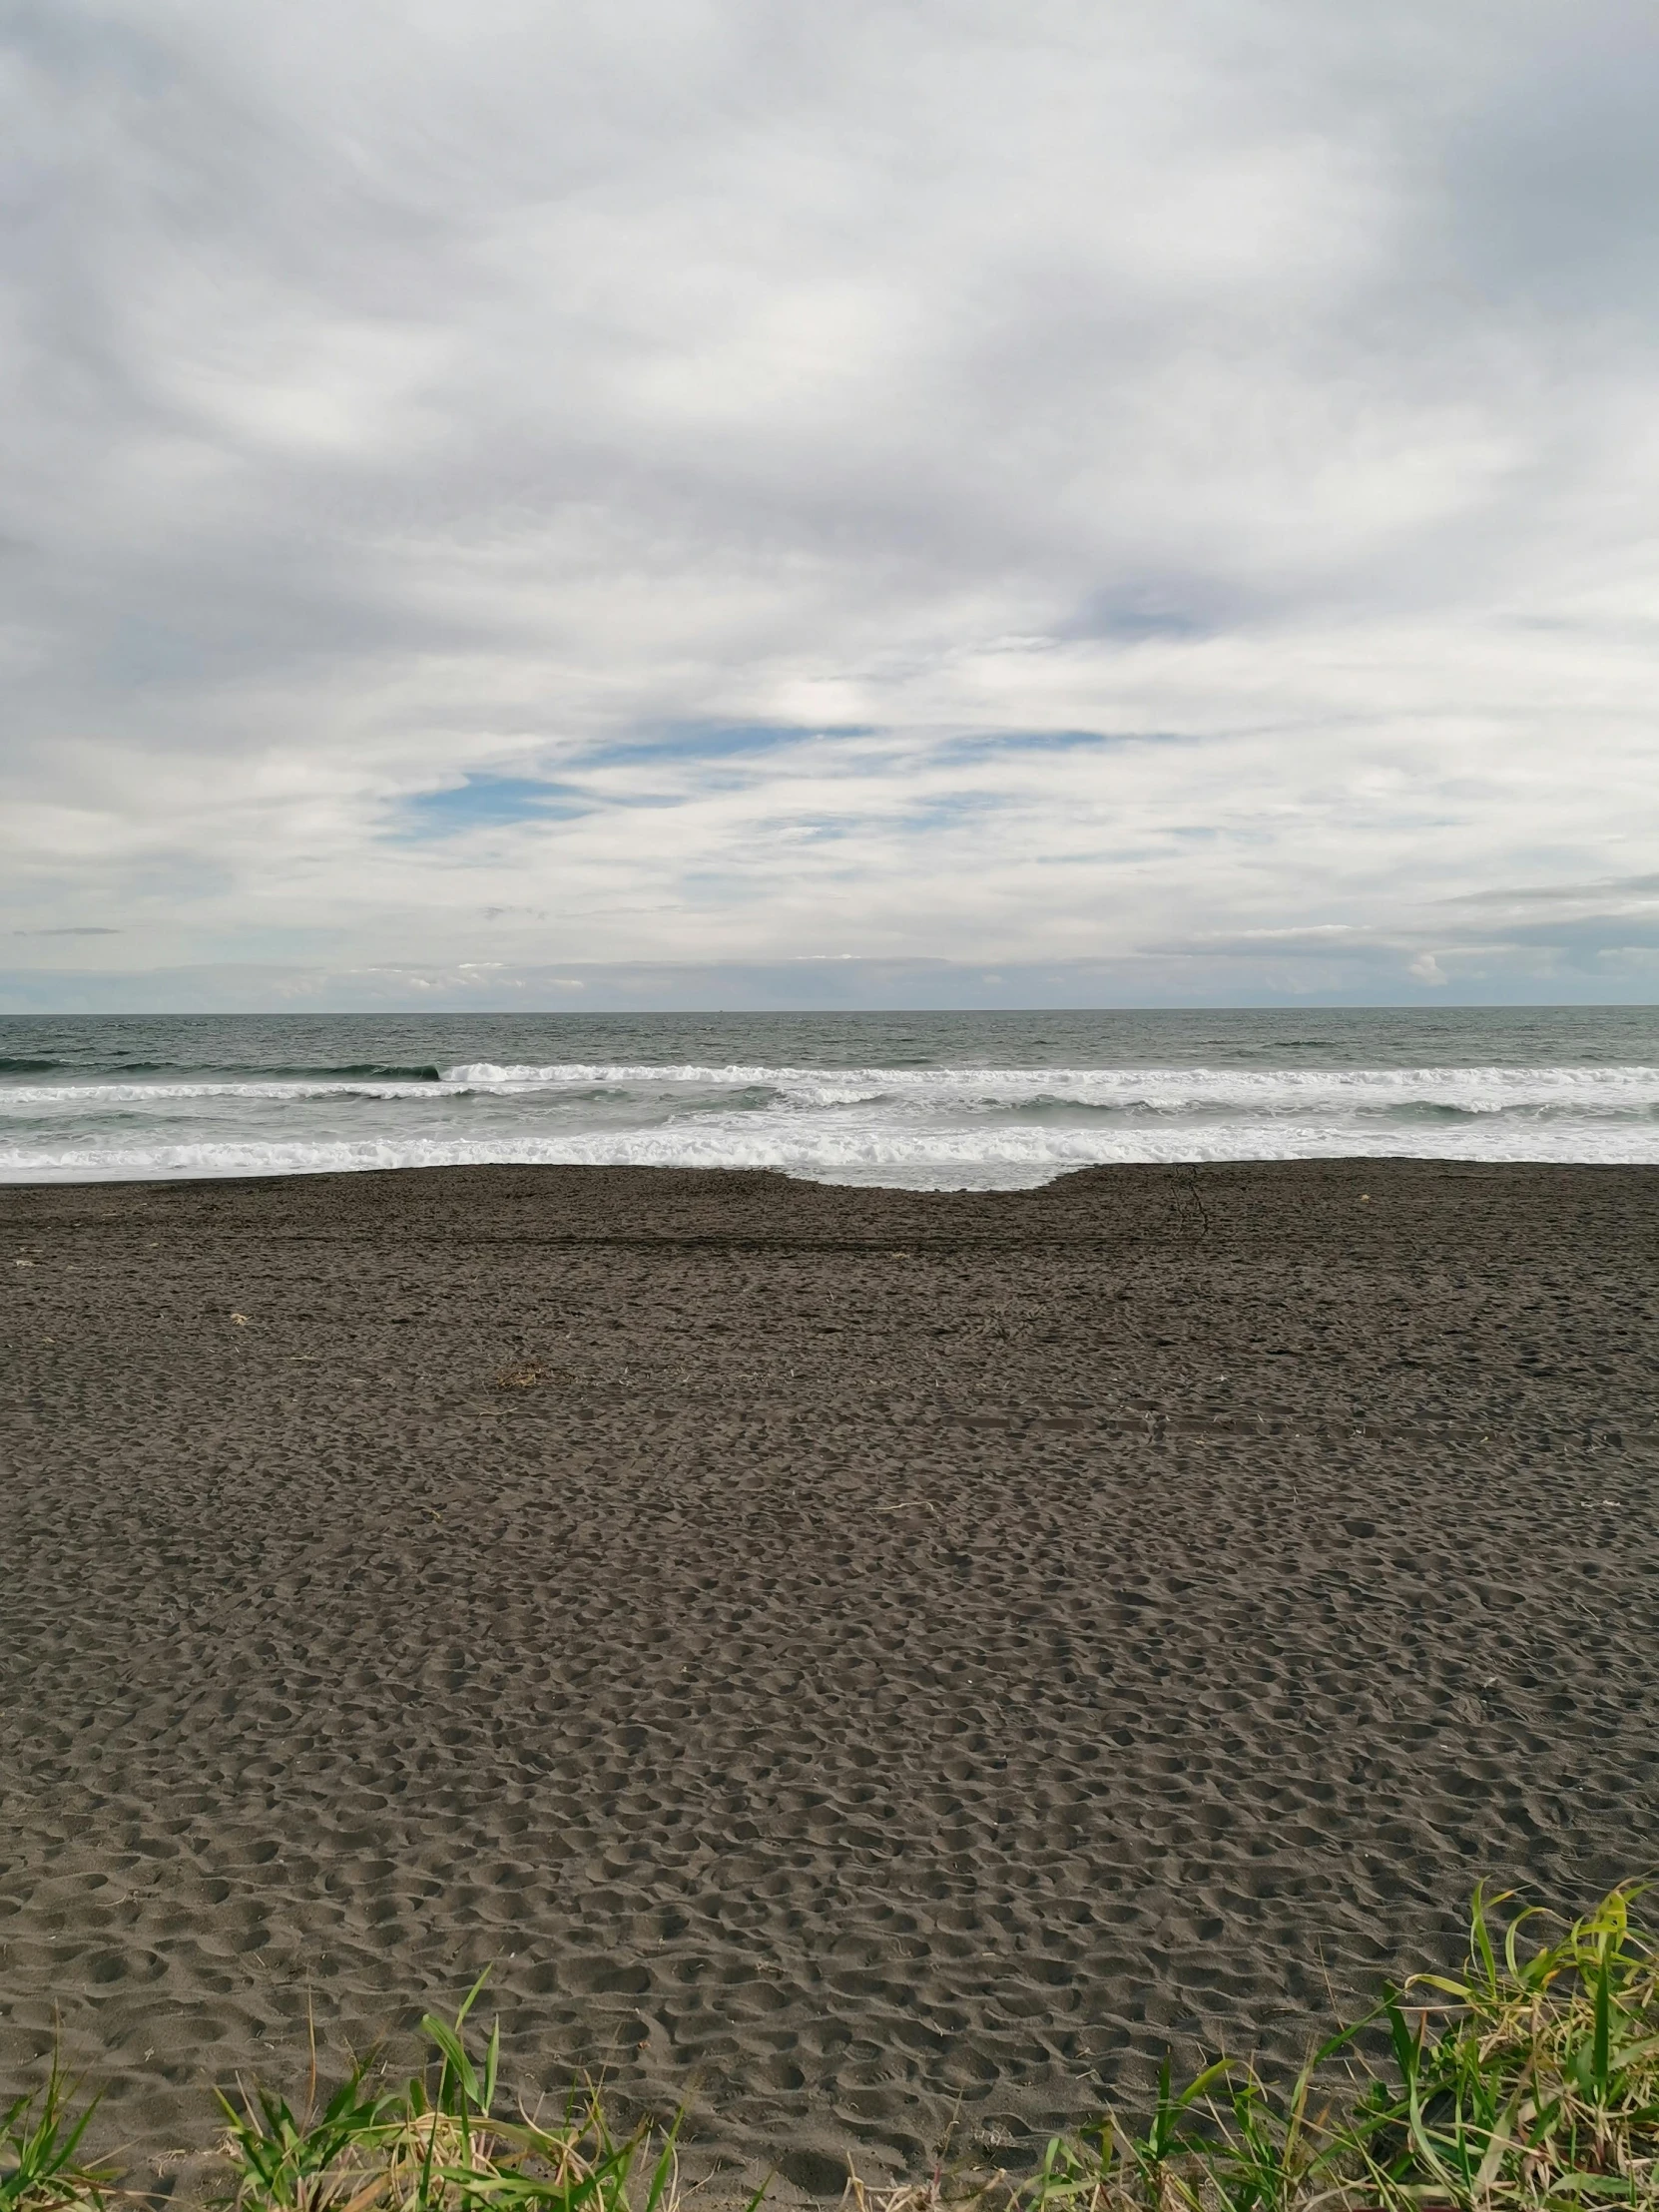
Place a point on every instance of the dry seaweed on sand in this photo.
(520, 1375)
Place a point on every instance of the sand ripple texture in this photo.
(906, 1659)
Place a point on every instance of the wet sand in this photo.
(907, 1656)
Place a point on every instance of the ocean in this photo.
(921, 1100)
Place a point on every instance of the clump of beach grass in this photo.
(436, 2144)
(39, 2138)
(1527, 2082)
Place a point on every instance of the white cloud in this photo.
(392, 396)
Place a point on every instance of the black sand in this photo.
(909, 1654)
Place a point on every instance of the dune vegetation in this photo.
(1528, 2079)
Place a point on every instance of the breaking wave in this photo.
(953, 1126)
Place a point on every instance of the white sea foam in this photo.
(97, 1097)
(1475, 1090)
(943, 1127)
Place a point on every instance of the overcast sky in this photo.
(1152, 502)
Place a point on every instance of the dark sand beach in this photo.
(909, 1655)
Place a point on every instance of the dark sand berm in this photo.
(909, 1656)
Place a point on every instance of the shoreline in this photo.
(125, 1177)
(903, 1650)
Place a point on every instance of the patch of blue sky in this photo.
(1137, 623)
(711, 887)
(991, 744)
(926, 816)
(1188, 606)
(489, 802)
(709, 741)
(1107, 856)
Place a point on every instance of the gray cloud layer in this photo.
(1163, 489)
